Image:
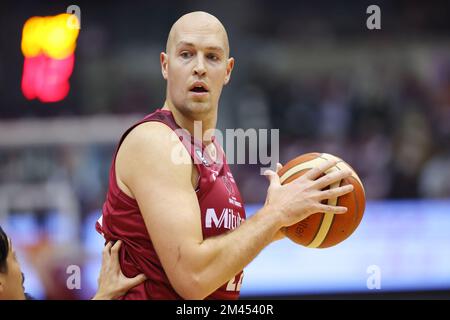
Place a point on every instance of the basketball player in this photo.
(183, 223)
(111, 283)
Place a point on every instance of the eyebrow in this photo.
(190, 44)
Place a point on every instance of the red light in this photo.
(47, 79)
(48, 44)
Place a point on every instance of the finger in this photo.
(133, 282)
(115, 250)
(335, 192)
(331, 209)
(315, 172)
(273, 177)
(331, 178)
(107, 249)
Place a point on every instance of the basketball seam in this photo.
(324, 215)
(354, 174)
(283, 178)
(318, 229)
(326, 159)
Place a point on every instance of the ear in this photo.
(163, 57)
(230, 66)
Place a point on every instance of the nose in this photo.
(199, 68)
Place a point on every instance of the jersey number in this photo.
(234, 285)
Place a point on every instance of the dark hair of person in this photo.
(4, 249)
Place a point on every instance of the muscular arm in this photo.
(168, 202)
(196, 267)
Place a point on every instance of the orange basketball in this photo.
(323, 230)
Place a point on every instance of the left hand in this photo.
(112, 283)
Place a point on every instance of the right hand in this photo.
(302, 197)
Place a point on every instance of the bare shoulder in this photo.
(155, 134)
(152, 150)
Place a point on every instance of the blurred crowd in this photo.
(378, 99)
(390, 122)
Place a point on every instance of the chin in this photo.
(198, 108)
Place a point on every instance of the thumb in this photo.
(279, 167)
(133, 282)
(273, 177)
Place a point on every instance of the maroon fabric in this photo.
(221, 210)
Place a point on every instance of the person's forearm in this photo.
(220, 258)
(101, 296)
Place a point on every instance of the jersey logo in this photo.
(227, 184)
(229, 219)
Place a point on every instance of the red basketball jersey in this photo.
(221, 210)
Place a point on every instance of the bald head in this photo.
(197, 55)
(197, 23)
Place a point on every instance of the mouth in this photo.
(199, 88)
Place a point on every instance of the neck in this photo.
(204, 125)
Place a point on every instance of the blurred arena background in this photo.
(380, 99)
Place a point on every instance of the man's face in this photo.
(196, 66)
(11, 281)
